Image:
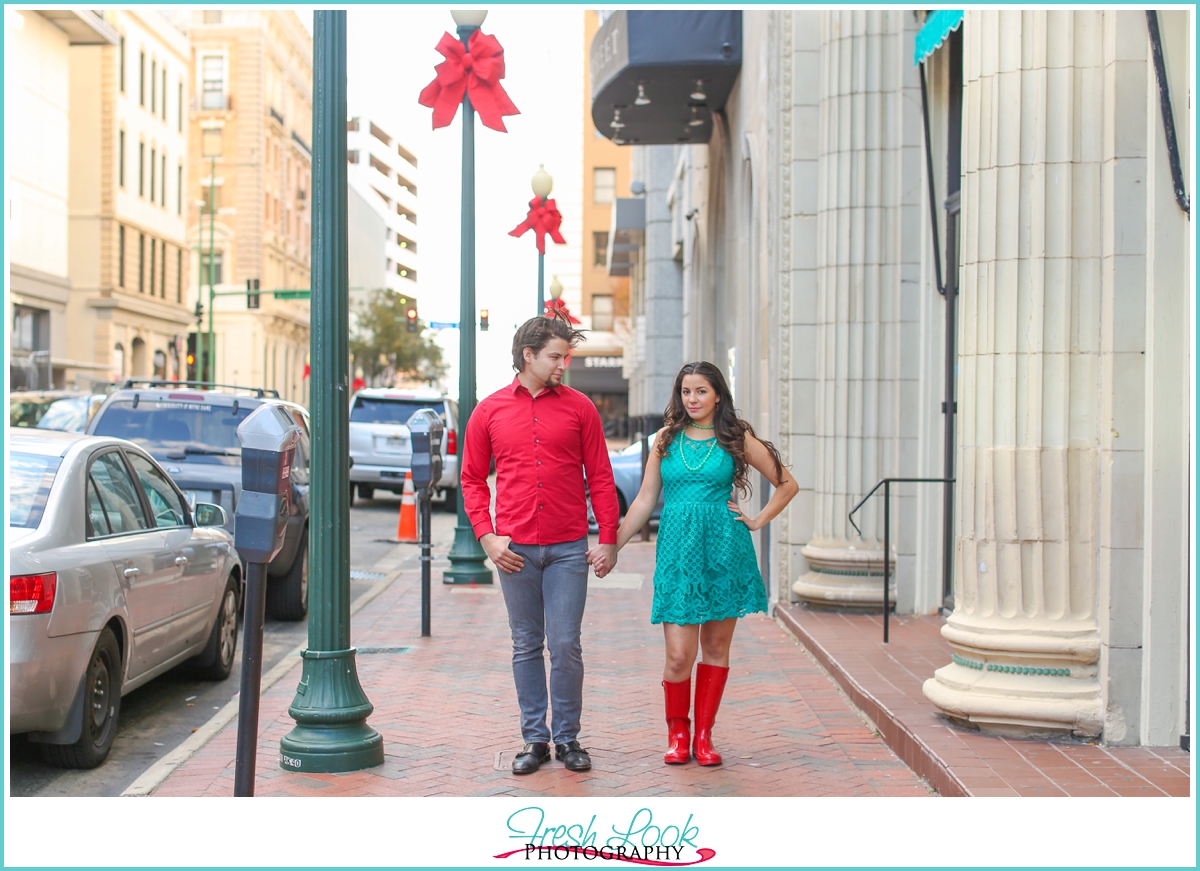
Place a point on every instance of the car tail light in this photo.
(32, 594)
(452, 443)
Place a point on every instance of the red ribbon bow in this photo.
(557, 305)
(477, 73)
(543, 218)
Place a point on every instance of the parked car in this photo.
(627, 472)
(191, 428)
(114, 579)
(68, 410)
(380, 445)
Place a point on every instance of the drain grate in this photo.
(365, 650)
(356, 575)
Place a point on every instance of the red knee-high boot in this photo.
(678, 696)
(710, 684)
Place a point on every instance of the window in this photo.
(119, 360)
(141, 169)
(212, 82)
(30, 478)
(602, 312)
(164, 92)
(210, 142)
(121, 158)
(162, 284)
(120, 255)
(141, 78)
(179, 121)
(163, 176)
(141, 262)
(604, 185)
(215, 278)
(153, 163)
(179, 190)
(153, 88)
(117, 494)
(121, 66)
(600, 240)
(178, 275)
(153, 251)
(212, 199)
(165, 504)
(29, 332)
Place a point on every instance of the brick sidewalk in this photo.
(448, 712)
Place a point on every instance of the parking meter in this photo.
(425, 433)
(268, 437)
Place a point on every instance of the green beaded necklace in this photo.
(712, 443)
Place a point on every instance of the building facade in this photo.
(129, 313)
(249, 177)
(38, 66)
(1005, 298)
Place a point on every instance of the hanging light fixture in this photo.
(696, 121)
(698, 94)
(642, 99)
(616, 121)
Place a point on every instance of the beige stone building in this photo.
(128, 163)
(801, 233)
(39, 48)
(597, 365)
(249, 176)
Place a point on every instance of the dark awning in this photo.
(685, 62)
(626, 232)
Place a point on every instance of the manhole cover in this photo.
(366, 576)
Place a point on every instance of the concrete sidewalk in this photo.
(448, 713)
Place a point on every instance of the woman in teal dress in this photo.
(706, 573)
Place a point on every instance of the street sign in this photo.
(443, 325)
(292, 294)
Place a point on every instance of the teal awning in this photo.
(937, 27)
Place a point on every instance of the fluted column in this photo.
(860, 219)
(1024, 629)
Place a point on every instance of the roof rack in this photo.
(260, 392)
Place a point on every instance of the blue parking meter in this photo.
(425, 430)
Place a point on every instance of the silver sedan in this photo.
(113, 581)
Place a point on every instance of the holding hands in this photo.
(602, 558)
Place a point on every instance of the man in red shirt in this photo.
(544, 436)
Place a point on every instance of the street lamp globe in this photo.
(468, 17)
(556, 288)
(542, 183)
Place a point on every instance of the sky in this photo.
(391, 58)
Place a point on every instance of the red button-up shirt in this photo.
(542, 447)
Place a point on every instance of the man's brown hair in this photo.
(537, 332)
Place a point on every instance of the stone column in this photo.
(1024, 628)
(861, 387)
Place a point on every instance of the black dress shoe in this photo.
(531, 758)
(573, 756)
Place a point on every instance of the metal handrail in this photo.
(886, 484)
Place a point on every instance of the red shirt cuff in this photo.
(608, 536)
(483, 527)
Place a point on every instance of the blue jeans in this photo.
(545, 602)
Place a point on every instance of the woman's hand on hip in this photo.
(751, 522)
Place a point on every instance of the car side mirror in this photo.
(207, 514)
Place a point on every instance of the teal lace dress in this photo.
(706, 568)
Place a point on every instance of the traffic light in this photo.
(252, 297)
(483, 320)
(191, 357)
(411, 315)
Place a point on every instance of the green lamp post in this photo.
(467, 557)
(330, 708)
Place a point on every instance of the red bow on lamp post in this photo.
(477, 73)
(557, 306)
(544, 219)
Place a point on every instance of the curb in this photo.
(153, 777)
(914, 752)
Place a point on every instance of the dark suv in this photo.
(191, 429)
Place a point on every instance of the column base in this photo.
(330, 710)
(467, 557)
(844, 578)
(1020, 683)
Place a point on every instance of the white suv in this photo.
(380, 446)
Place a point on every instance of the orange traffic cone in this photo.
(407, 529)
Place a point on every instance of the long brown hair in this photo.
(729, 429)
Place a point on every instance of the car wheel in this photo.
(366, 491)
(216, 662)
(287, 597)
(622, 508)
(450, 505)
(351, 493)
(101, 709)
